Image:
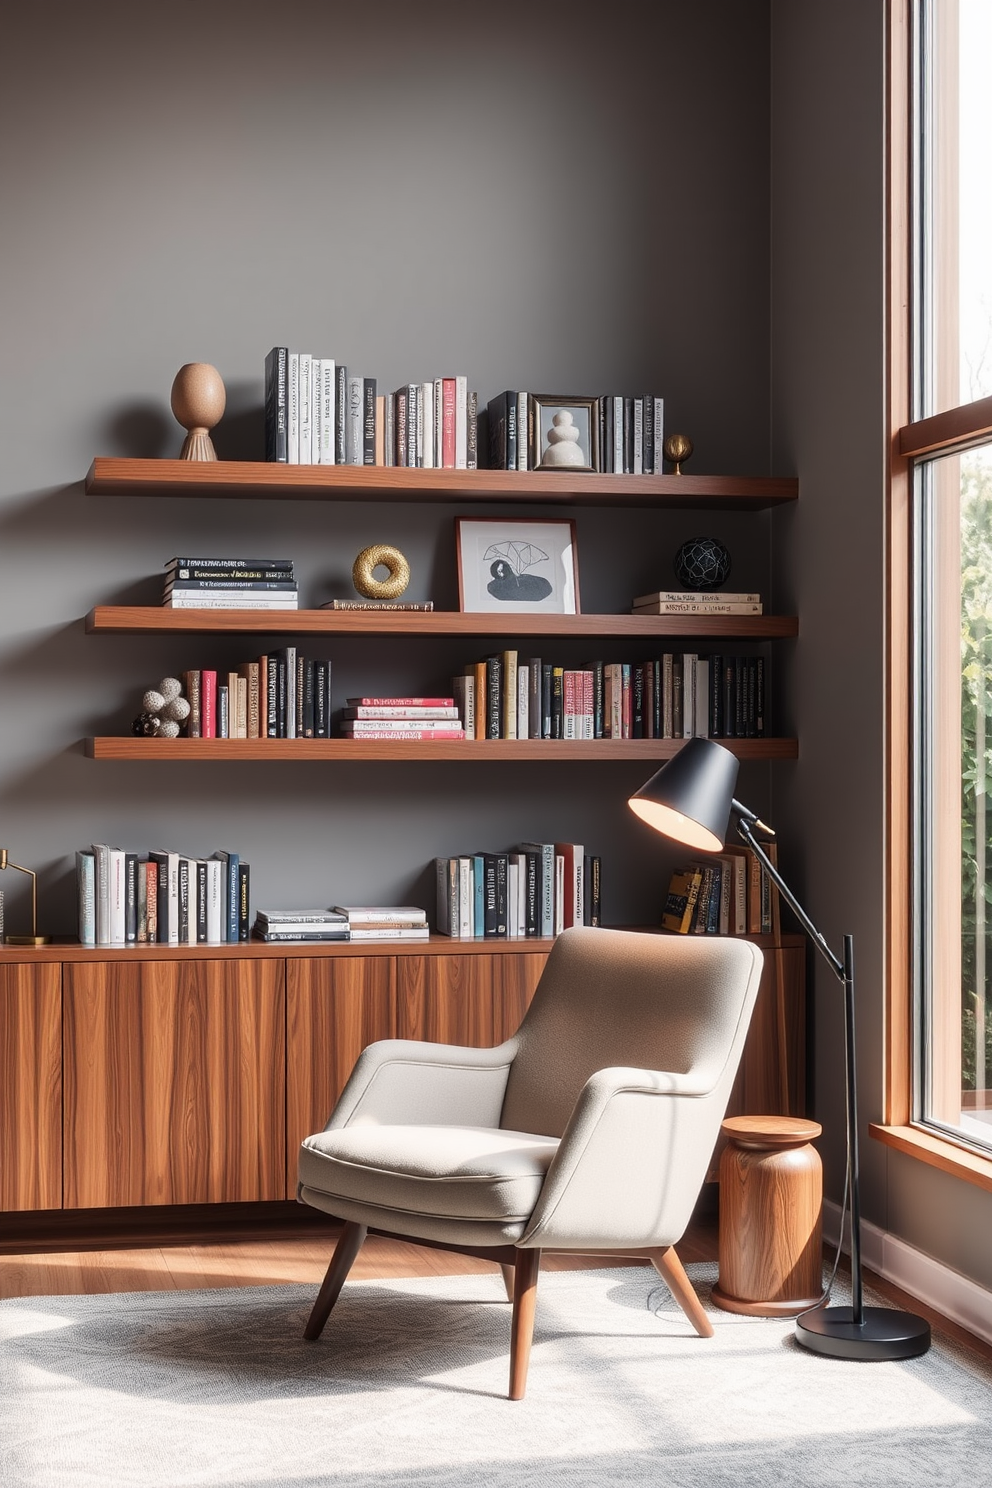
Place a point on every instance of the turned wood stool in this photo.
(771, 1194)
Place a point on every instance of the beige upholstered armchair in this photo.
(590, 1130)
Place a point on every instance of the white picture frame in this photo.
(517, 566)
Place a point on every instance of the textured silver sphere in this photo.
(176, 709)
(168, 729)
(170, 687)
(152, 702)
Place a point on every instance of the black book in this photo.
(226, 578)
(201, 902)
(130, 898)
(535, 673)
(647, 436)
(547, 671)
(751, 699)
(234, 565)
(502, 895)
(494, 697)
(308, 710)
(759, 696)
(161, 861)
(276, 436)
(637, 702)
(503, 432)
(280, 658)
(740, 697)
(532, 891)
(592, 909)
(728, 698)
(557, 701)
(340, 415)
(271, 697)
(232, 581)
(223, 711)
(244, 926)
(677, 695)
(717, 725)
(489, 904)
(184, 890)
(606, 434)
(657, 701)
(598, 700)
(368, 420)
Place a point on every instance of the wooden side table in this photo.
(771, 1196)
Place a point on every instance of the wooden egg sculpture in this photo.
(198, 402)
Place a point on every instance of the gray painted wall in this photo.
(829, 417)
(563, 202)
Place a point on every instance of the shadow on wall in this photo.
(149, 431)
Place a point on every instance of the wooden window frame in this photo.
(955, 429)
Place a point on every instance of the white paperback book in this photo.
(325, 441)
(522, 429)
(355, 423)
(461, 423)
(465, 899)
(293, 408)
(306, 409)
(523, 701)
(427, 420)
(215, 901)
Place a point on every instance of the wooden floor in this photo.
(299, 1254)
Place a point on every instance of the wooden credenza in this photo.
(168, 1076)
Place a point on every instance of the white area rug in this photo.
(407, 1386)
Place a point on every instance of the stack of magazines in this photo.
(275, 925)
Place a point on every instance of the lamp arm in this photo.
(744, 820)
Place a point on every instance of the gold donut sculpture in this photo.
(381, 555)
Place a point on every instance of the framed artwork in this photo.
(517, 565)
(564, 432)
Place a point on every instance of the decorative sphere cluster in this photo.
(164, 711)
(702, 563)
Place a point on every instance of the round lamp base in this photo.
(883, 1333)
(26, 940)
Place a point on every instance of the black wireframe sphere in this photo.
(702, 563)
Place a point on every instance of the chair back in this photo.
(620, 997)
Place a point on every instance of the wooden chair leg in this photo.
(347, 1248)
(508, 1282)
(670, 1268)
(522, 1327)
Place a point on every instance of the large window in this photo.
(948, 610)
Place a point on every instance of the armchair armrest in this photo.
(631, 1161)
(403, 1082)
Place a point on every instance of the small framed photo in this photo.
(517, 566)
(564, 432)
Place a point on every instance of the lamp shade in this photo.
(690, 797)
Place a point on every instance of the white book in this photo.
(306, 409)
(523, 701)
(512, 908)
(324, 383)
(215, 601)
(688, 693)
(523, 443)
(101, 882)
(466, 899)
(117, 898)
(519, 862)
(293, 408)
(559, 911)
(290, 692)
(702, 697)
(215, 901)
(354, 424)
(427, 424)
(464, 691)
(86, 895)
(389, 932)
(618, 434)
(316, 375)
(376, 914)
(461, 423)
(638, 436)
(439, 422)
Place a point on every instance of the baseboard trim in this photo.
(959, 1298)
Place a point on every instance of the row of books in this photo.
(727, 894)
(342, 922)
(319, 413)
(535, 889)
(230, 584)
(625, 434)
(696, 602)
(160, 898)
(679, 695)
(281, 695)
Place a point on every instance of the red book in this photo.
(208, 705)
(588, 708)
(448, 423)
(399, 735)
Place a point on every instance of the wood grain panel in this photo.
(465, 751)
(174, 1082)
(30, 1087)
(333, 1009)
(516, 979)
(447, 999)
(758, 1089)
(239, 478)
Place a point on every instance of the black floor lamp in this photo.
(691, 799)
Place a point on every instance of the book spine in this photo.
(86, 897)
(535, 672)
(208, 704)
(461, 423)
(293, 408)
(494, 697)
(276, 446)
(150, 872)
(223, 711)
(523, 701)
(637, 455)
(508, 695)
(648, 435)
(412, 421)
(472, 450)
(244, 886)
(306, 409)
(340, 414)
(523, 431)
(200, 869)
(368, 420)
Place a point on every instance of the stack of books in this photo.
(230, 584)
(160, 898)
(385, 922)
(281, 695)
(274, 925)
(319, 413)
(535, 889)
(728, 894)
(401, 718)
(696, 602)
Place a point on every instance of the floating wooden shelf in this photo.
(135, 620)
(127, 747)
(256, 478)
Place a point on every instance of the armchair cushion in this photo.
(446, 1172)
